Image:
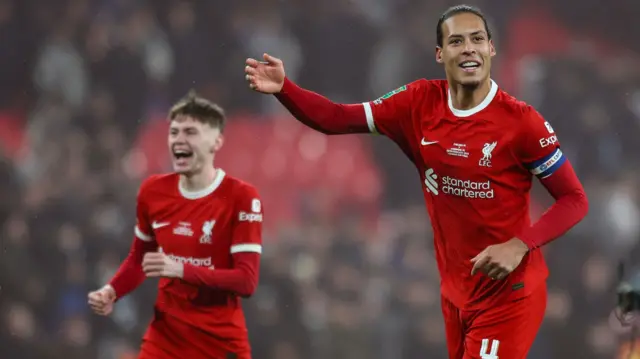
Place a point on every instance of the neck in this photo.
(198, 181)
(464, 97)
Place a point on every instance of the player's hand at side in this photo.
(498, 260)
(101, 300)
(265, 76)
(158, 264)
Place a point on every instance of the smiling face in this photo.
(195, 134)
(192, 144)
(466, 49)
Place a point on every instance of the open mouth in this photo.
(182, 154)
(469, 65)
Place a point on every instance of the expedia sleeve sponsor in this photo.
(249, 217)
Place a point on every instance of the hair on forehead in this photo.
(455, 10)
(200, 109)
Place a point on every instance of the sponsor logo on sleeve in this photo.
(548, 141)
(548, 126)
(249, 217)
(389, 94)
(254, 215)
(256, 206)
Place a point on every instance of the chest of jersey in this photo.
(467, 159)
(194, 231)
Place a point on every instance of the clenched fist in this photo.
(158, 264)
(101, 301)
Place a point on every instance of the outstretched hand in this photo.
(265, 76)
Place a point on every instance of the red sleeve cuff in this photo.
(190, 273)
(286, 86)
(528, 239)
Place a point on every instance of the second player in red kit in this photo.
(477, 150)
(199, 231)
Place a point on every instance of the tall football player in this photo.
(476, 149)
(198, 230)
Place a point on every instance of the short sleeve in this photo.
(247, 227)
(538, 146)
(143, 229)
(388, 114)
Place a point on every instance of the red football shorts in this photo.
(506, 331)
(170, 338)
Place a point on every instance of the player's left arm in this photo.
(246, 248)
(539, 151)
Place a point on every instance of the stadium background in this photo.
(348, 269)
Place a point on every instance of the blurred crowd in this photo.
(82, 79)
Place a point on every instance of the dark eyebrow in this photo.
(478, 32)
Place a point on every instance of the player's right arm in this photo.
(130, 275)
(386, 115)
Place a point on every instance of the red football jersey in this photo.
(205, 229)
(476, 167)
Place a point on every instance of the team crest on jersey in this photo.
(207, 230)
(487, 149)
(389, 94)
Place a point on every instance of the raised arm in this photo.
(320, 113)
(324, 115)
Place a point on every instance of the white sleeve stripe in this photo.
(369, 114)
(142, 235)
(246, 247)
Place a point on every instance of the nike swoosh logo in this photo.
(156, 225)
(426, 143)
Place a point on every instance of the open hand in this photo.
(158, 264)
(498, 260)
(101, 300)
(265, 76)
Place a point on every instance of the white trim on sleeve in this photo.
(246, 247)
(368, 112)
(142, 235)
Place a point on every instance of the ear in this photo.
(492, 48)
(439, 55)
(217, 143)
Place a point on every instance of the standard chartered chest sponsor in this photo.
(467, 188)
(198, 262)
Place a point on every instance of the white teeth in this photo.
(470, 64)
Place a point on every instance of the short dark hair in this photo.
(200, 109)
(455, 10)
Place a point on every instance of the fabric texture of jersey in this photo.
(476, 168)
(203, 229)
